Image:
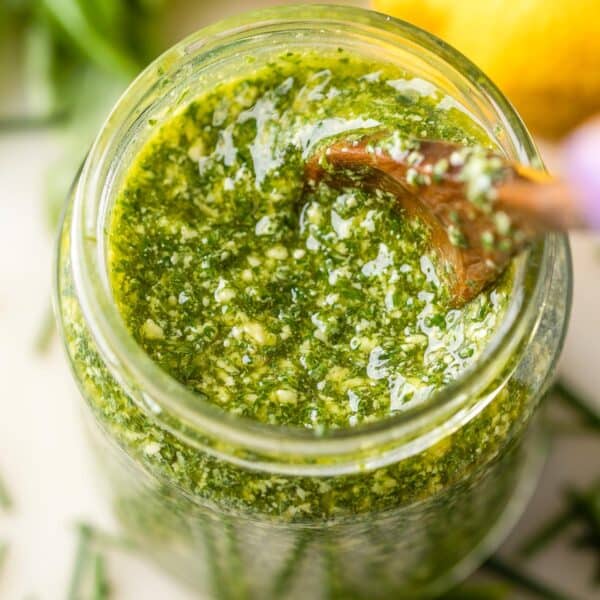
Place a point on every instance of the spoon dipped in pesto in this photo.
(320, 308)
(481, 208)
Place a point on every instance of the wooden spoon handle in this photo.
(480, 208)
(546, 206)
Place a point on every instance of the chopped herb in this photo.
(82, 557)
(16, 123)
(440, 168)
(586, 506)
(478, 591)
(3, 553)
(505, 245)
(524, 581)
(583, 508)
(502, 222)
(101, 585)
(457, 237)
(549, 532)
(89, 578)
(480, 172)
(581, 406)
(5, 499)
(290, 567)
(46, 331)
(412, 176)
(414, 158)
(487, 240)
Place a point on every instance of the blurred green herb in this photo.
(521, 580)
(548, 532)
(3, 553)
(582, 407)
(5, 499)
(81, 559)
(56, 39)
(586, 506)
(20, 123)
(101, 585)
(73, 58)
(291, 565)
(581, 507)
(88, 578)
(6, 504)
(478, 591)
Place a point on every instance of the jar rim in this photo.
(179, 409)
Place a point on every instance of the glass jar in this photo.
(399, 508)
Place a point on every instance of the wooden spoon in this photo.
(481, 208)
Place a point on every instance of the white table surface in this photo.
(43, 455)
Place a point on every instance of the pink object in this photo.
(582, 170)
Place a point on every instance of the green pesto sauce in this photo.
(320, 309)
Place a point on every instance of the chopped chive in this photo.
(101, 584)
(82, 556)
(587, 506)
(589, 502)
(559, 429)
(524, 581)
(3, 553)
(582, 507)
(236, 565)
(109, 540)
(89, 566)
(5, 499)
(28, 122)
(90, 42)
(548, 532)
(205, 537)
(479, 591)
(577, 403)
(290, 566)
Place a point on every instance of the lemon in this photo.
(543, 54)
